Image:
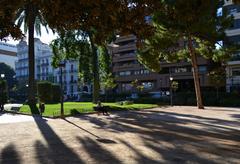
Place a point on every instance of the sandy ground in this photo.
(160, 135)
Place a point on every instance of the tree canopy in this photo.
(184, 30)
(7, 16)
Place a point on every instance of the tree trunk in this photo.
(31, 58)
(195, 73)
(95, 69)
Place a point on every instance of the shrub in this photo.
(44, 90)
(3, 92)
(209, 99)
(56, 93)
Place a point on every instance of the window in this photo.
(148, 85)
(126, 87)
(125, 73)
(232, 11)
(180, 69)
(71, 89)
(146, 71)
(236, 72)
(202, 69)
(136, 72)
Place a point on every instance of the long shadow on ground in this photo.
(191, 138)
(56, 151)
(10, 155)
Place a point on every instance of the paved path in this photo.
(160, 135)
(6, 118)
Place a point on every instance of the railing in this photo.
(73, 71)
(73, 81)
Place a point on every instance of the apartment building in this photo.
(126, 69)
(70, 78)
(8, 54)
(43, 68)
(233, 36)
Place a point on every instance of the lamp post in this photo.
(61, 65)
(171, 92)
(2, 94)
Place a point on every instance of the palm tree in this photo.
(30, 16)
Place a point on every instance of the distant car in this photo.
(134, 96)
(157, 94)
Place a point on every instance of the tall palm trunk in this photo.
(195, 74)
(31, 58)
(95, 69)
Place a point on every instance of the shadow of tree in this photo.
(34, 109)
(236, 116)
(172, 137)
(102, 140)
(56, 151)
(10, 155)
(140, 157)
(218, 138)
(97, 152)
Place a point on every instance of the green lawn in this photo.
(71, 108)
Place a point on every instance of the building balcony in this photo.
(73, 71)
(235, 58)
(64, 72)
(233, 62)
(21, 76)
(43, 64)
(73, 81)
(127, 67)
(126, 57)
(21, 68)
(142, 77)
(22, 59)
(233, 32)
(200, 61)
(125, 38)
(124, 48)
(42, 74)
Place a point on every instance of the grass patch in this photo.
(72, 108)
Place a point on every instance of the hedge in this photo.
(56, 93)
(44, 90)
(3, 92)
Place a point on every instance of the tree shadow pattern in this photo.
(212, 143)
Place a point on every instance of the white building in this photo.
(43, 68)
(8, 54)
(70, 78)
(233, 35)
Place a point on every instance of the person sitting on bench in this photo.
(101, 108)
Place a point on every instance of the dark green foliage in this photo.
(56, 93)
(9, 75)
(209, 99)
(3, 92)
(104, 60)
(44, 92)
(175, 22)
(184, 30)
(7, 16)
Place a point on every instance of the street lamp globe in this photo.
(171, 78)
(2, 75)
